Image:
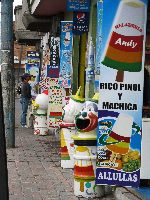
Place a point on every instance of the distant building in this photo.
(20, 53)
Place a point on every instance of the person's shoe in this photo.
(24, 126)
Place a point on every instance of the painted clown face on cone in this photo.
(71, 110)
(87, 119)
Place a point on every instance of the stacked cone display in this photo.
(68, 129)
(85, 151)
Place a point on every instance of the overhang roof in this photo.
(48, 7)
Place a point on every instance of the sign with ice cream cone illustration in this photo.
(121, 93)
(124, 47)
(66, 44)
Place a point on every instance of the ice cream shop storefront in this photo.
(123, 139)
(120, 156)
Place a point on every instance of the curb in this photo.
(122, 193)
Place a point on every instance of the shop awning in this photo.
(48, 7)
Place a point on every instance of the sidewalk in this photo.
(35, 174)
(34, 167)
(122, 193)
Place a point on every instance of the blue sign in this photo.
(80, 23)
(52, 71)
(121, 93)
(99, 36)
(78, 5)
(32, 67)
(66, 45)
(53, 68)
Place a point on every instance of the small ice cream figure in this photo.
(124, 48)
(119, 138)
(41, 102)
(40, 116)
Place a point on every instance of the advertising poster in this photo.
(80, 23)
(53, 68)
(32, 67)
(55, 96)
(54, 122)
(78, 5)
(66, 45)
(44, 80)
(32, 57)
(121, 93)
(98, 43)
(44, 84)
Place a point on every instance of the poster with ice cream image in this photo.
(124, 46)
(66, 45)
(32, 68)
(121, 93)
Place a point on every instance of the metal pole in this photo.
(20, 59)
(7, 71)
(4, 194)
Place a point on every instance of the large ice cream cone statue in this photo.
(124, 48)
(68, 129)
(119, 139)
(40, 114)
(85, 151)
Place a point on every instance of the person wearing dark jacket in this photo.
(25, 97)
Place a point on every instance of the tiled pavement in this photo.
(34, 171)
